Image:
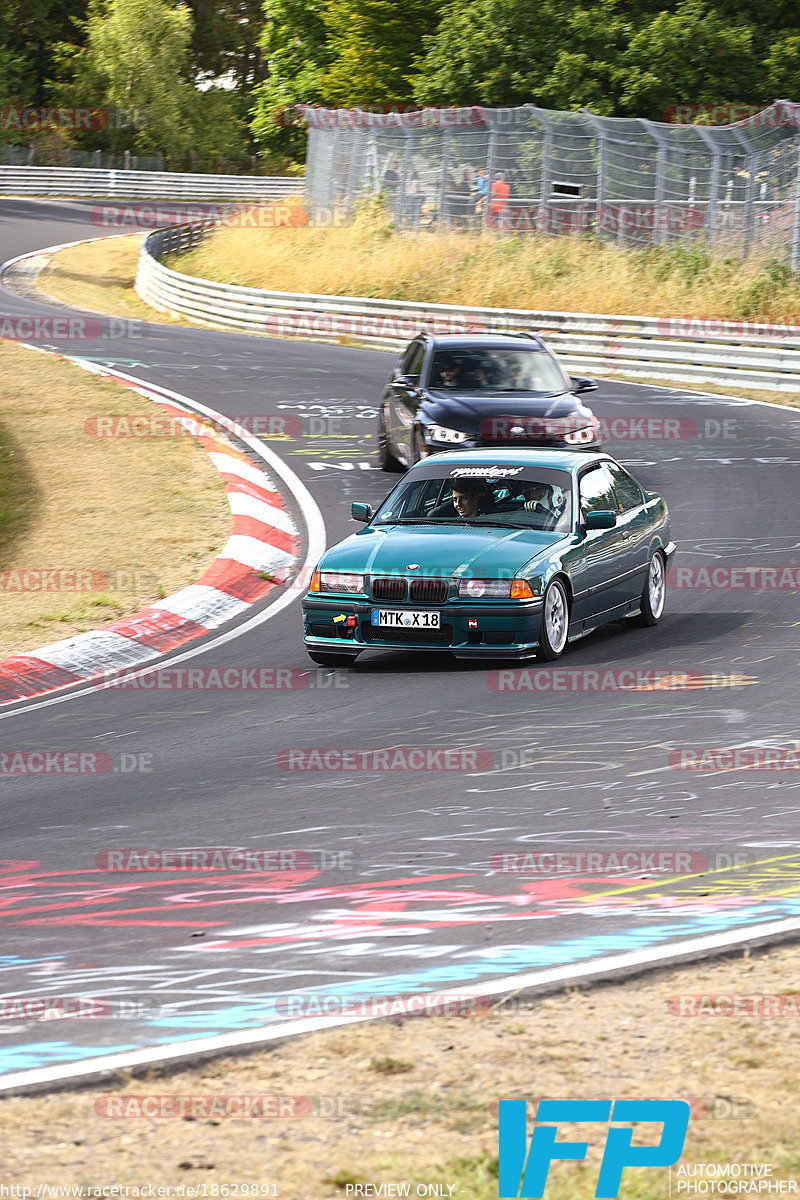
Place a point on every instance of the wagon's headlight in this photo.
(584, 435)
(579, 437)
(440, 433)
(336, 581)
(494, 589)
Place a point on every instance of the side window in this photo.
(627, 490)
(597, 490)
(412, 360)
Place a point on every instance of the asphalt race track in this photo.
(407, 899)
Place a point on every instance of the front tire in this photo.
(555, 622)
(386, 460)
(420, 448)
(323, 659)
(654, 593)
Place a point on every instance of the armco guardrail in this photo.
(146, 185)
(685, 349)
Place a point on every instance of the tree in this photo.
(692, 55)
(135, 61)
(375, 44)
(510, 52)
(31, 32)
(296, 56)
(226, 41)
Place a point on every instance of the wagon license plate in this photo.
(400, 618)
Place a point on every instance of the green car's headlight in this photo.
(494, 589)
(336, 581)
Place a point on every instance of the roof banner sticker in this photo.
(486, 472)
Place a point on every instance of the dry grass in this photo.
(152, 509)
(569, 274)
(99, 276)
(434, 1121)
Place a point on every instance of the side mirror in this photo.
(361, 512)
(409, 381)
(582, 385)
(601, 518)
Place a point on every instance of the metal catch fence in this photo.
(636, 182)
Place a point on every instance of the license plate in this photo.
(400, 618)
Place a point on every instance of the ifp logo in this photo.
(523, 1169)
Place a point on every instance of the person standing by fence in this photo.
(499, 207)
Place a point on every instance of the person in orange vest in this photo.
(499, 210)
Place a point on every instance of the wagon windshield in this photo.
(508, 370)
(519, 497)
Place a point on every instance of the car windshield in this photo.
(526, 369)
(505, 496)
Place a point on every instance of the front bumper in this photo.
(501, 629)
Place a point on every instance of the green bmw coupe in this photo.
(492, 554)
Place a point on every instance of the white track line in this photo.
(94, 1068)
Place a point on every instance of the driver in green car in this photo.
(539, 500)
(468, 498)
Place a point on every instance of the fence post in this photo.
(490, 160)
(402, 203)
(713, 187)
(659, 230)
(749, 208)
(794, 258)
(443, 194)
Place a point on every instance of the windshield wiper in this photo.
(416, 521)
(503, 524)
